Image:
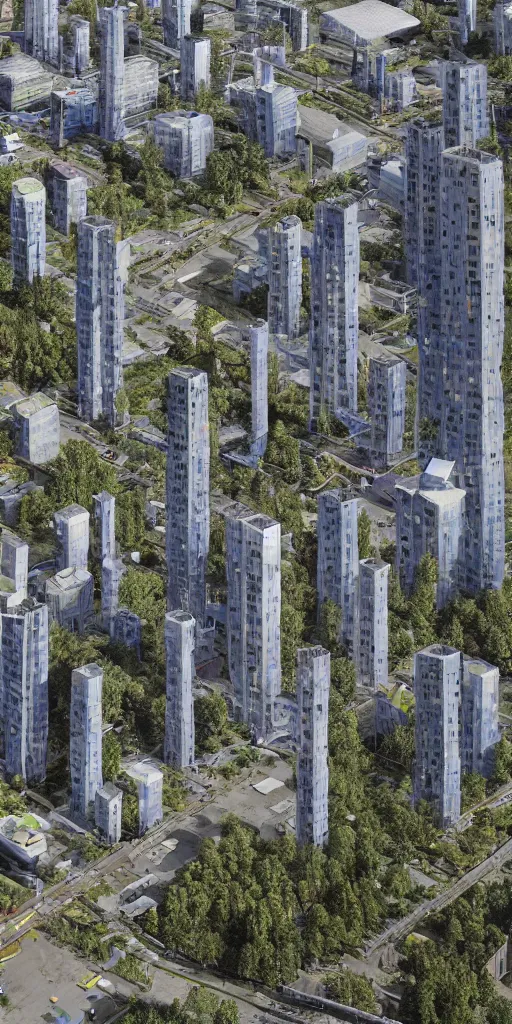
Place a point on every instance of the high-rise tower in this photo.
(42, 30)
(112, 73)
(188, 491)
(85, 738)
(180, 630)
(175, 21)
(464, 103)
(24, 684)
(437, 766)
(101, 278)
(472, 327)
(28, 229)
(338, 561)
(313, 684)
(333, 332)
(285, 277)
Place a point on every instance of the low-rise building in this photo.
(140, 85)
(108, 803)
(72, 112)
(37, 429)
(70, 599)
(149, 782)
(185, 139)
(23, 83)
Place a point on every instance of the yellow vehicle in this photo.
(89, 981)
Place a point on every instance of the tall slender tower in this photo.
(85, 738)
(285, 277)
(101, 278)
(175, 21)
(313, 684)
(28, 229)
(42, 30)
(111, 92)
(195, 56)
(479, 720)
(467, 19)
(24, 685)
(105, 514)
(424, 145)
(464, 103)
(373, 622)
(472, 326)
(333, 332)
(437, 765)
(338, 561)
(188, 491)
(180, 631)
(258, 340)
(386, 407)
(253, 570)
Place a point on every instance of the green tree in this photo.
(111, 757)
(364, 529)
(211, 719)
(78, 472)
(351, 990)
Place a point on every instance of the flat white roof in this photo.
(267, 785)
(372, 19)
(440, 468)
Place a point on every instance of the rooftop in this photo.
(28, 186)
(68, 579)
(372, 19)
(28, 406)
(71, 512)
(64, 170)
(142, 772)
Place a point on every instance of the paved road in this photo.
(401, 928)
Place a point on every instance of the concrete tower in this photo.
(333, 332)
(112, 73)
(472, 327)
(85, 735)
(180, 629)
(72, 536)
(437, 766)
(313, 684)
(28, 229)
(188, 491)
(479, 721)
(258, 340)
(338, 561)
(175, 21)
(373, 622)
(195, 54)
(24, 686)
(285, 277)
(42, 30)
(424, 145)
(464, 103)
(253, 570)
(430, 520)
(105, 515)
(467, 19)
(386, 407)
(101, 278)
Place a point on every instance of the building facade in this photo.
(85, 738)
(479, 715)
(424, 145)
(313, 685)
(37, 429)
(467, 19)
(72, 536)
(285, 277)
(175, 21)
(464, 103)
(149, 783)
(102, 265)
(112, 73)
(253, 570)
(430, 520)
(372, 659)
(41, 37)
(76, 45)
(472, 330)
(258, 343)
(69, 596)
(437, 766)
(68, 196)
(108, 807)
(28, 230)
(195, 55)
(386, 408)
(186, 141)
(180, 631)
(334, 325)
(105, 515)
(24, 683)
(276, 119)
(127, 630)
(338, 561)
(188, 491)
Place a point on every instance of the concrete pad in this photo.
(267, 785)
